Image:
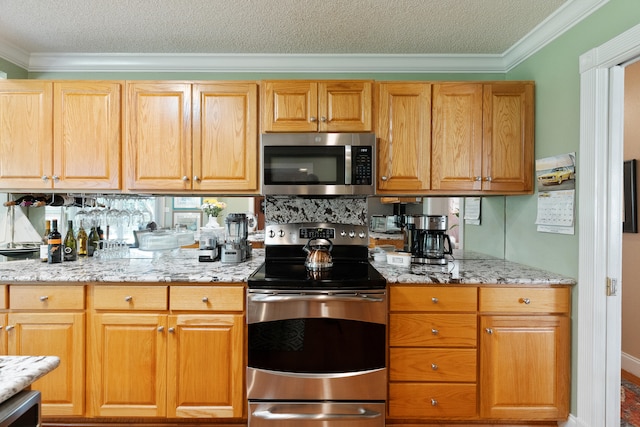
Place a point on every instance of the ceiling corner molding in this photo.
(14, 54)
(275, 63)
(551, 28)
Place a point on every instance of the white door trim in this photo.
(600, 229)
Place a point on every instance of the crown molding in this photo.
(547, 31)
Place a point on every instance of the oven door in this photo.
(316, 414)
(316, 345)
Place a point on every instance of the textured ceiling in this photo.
(271, 26)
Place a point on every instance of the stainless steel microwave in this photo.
(318, 163)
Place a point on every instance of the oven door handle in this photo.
(269, 414)
(313, 297)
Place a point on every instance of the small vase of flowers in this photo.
(213, 207)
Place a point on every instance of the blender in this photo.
(236, 248)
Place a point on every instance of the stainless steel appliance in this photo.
(316, 337)
(318, 163)
(236, 247)
(427, 239)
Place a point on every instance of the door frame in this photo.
(600, 228)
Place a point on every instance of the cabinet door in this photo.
(53, 334)
(225, 137)
(404, 131)
(344, 106)
(127, 365)
(158, 136)
(289, 106)
(508, 137)
(87, 135)
(524, 367)
(205, 375)
(3, 334)
(457, 137)
(26, 146)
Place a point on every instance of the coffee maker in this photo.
(425, 236)
(236, 248)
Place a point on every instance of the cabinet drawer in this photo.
(433, 298)
(4, 296)
(432, 364)
(130, 297)
(432, 330)
(432, 400)
(207, 298)
(525, 300)
(38, 297)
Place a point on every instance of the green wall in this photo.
(12, 70)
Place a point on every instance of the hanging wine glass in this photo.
(82, 217)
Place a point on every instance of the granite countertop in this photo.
(19, 372)
(183, 266)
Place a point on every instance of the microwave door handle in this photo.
(347, 165)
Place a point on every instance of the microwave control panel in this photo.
(362, 170)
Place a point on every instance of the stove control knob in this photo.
(272, 233)
(343, 233)
(352, 234)
(281, 233)
(361, 235)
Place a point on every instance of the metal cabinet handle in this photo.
(313, 119)
(172, 330)
(384, 178)
(434, 402)
(128, 298)
(434, 300)
(434, 331)
(489, 331)
(323, 119)
(196, 178)
(488, 179)
(160, 328)
(205, 299)
(9, 327)
(185, 178)
(55, 178)
(478, 178)
(43, 298)
(45, 178)
(525, 300)
(434, 366)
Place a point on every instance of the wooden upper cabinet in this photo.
(158, 136)
(225, 136)
(508, 137)
(26, 145)
(87, 135)
(403, 128)
(316, 106)
(60, 135)
(457, 136)
(200, 136)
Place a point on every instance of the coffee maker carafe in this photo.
(236, 248)
(427, 239)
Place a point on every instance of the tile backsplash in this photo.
(343, 210)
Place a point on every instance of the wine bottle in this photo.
(70, 244)
(44, 247)
(54, 242)
(94, 241)
(82, 241)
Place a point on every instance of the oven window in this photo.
(317, 345)
(304, 165)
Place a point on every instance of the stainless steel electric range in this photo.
(316, 337)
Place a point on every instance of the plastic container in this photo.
(399, 259)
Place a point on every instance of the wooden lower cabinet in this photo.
(147, 359)
(471, 355)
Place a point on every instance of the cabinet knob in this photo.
(172, 330)
(489, 331)
(525, 300)
(434, 331)
(323, 119)
(55, 178)
(478, 178)
(488, 179)
(45, 178)
(196, 178)
(313, 119)
(185, 178)
(128, 298)
(205, 299)
(160, 328)
(434, 300)
(384, 178)
(9, 327)
(434, 402)
(43, 298)
(434, 366)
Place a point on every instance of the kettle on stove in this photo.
(318, 254)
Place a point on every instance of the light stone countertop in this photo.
(19, 372)
(183, 266)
